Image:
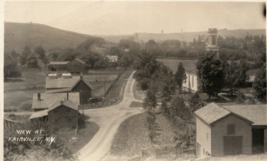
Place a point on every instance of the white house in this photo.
(191, 82)
(112, 58)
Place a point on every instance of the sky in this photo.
(118, 17)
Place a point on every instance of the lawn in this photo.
(173, 64)
(257, 157)
(136, 104)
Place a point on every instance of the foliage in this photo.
(210, 72)
(32, 62)
(185, 137)
(178, 108)
(180, 76)
(24, 56)
(240, 97)
(150, 100)
(260, 83)
(195, 102)
(10, 67)
(86, 45)
(40, 52)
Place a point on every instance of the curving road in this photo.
(109, 120)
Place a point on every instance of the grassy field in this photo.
(136, 104)
(173, 64)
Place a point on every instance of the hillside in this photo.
(186, 36)
(18, 35)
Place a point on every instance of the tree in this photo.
(25, 54)
(40, 52)
(240, 97)
(125, 61)
(178, 108)
(32, 62)
(10, 67)
(260, 83)
(180, 76)
(195, 102)
(210, 72)
(150, 100)
(231, 77)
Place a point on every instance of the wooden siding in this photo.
(62, 67)
(203, 137)
(75, 67)
(63, 117)
(219, 130)
(84, 90)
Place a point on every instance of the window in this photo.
(230, 129)
(207, 136)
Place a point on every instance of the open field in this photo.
(173, 64)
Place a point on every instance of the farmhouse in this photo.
(75, 66)
(112, 58)
(231, 130)
(191, 82)
(68, 83)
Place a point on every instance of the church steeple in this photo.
(212, 41)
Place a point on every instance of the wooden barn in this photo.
(69, 84)
(231, 130)
(76, 66)
(63, 113)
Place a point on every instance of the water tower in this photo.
(212, 41)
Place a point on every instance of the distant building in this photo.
(75, 66)
(112, 58)
(192, 81)
(64, 84)
(231, 130)
(212, 41)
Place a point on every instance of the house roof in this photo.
(79, 60)
(255, 113)
(59, 62)
(39, 114)
(62, 82)
(192, 72)
(49, 98)
(211, 113)
(65, 102)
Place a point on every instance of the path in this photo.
(109, 120)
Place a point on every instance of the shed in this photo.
(76, 66)
(229, 130)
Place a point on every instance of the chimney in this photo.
(67, 95)
(39, 96)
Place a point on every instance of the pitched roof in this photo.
(255, 113)
(193, 72)
(59, 62)
(211, 113)
(79, 60)
(49, 98)
(65, 102)
(39, 114)
(64, 82)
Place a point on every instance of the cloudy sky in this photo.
(104, 18)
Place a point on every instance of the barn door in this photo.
(232, 145)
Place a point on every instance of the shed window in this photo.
(230, 129)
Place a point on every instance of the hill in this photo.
(186, 36)
(18, 35)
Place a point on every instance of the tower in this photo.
(212, 41)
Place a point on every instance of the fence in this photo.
(173, 152)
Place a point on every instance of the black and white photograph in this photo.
(134, 81)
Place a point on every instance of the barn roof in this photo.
(39, 114)
(255, 113)
(211, 113)
(65, 102)
(49, 98)
(59, 62)
(60, 83)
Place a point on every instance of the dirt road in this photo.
(109, 120)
